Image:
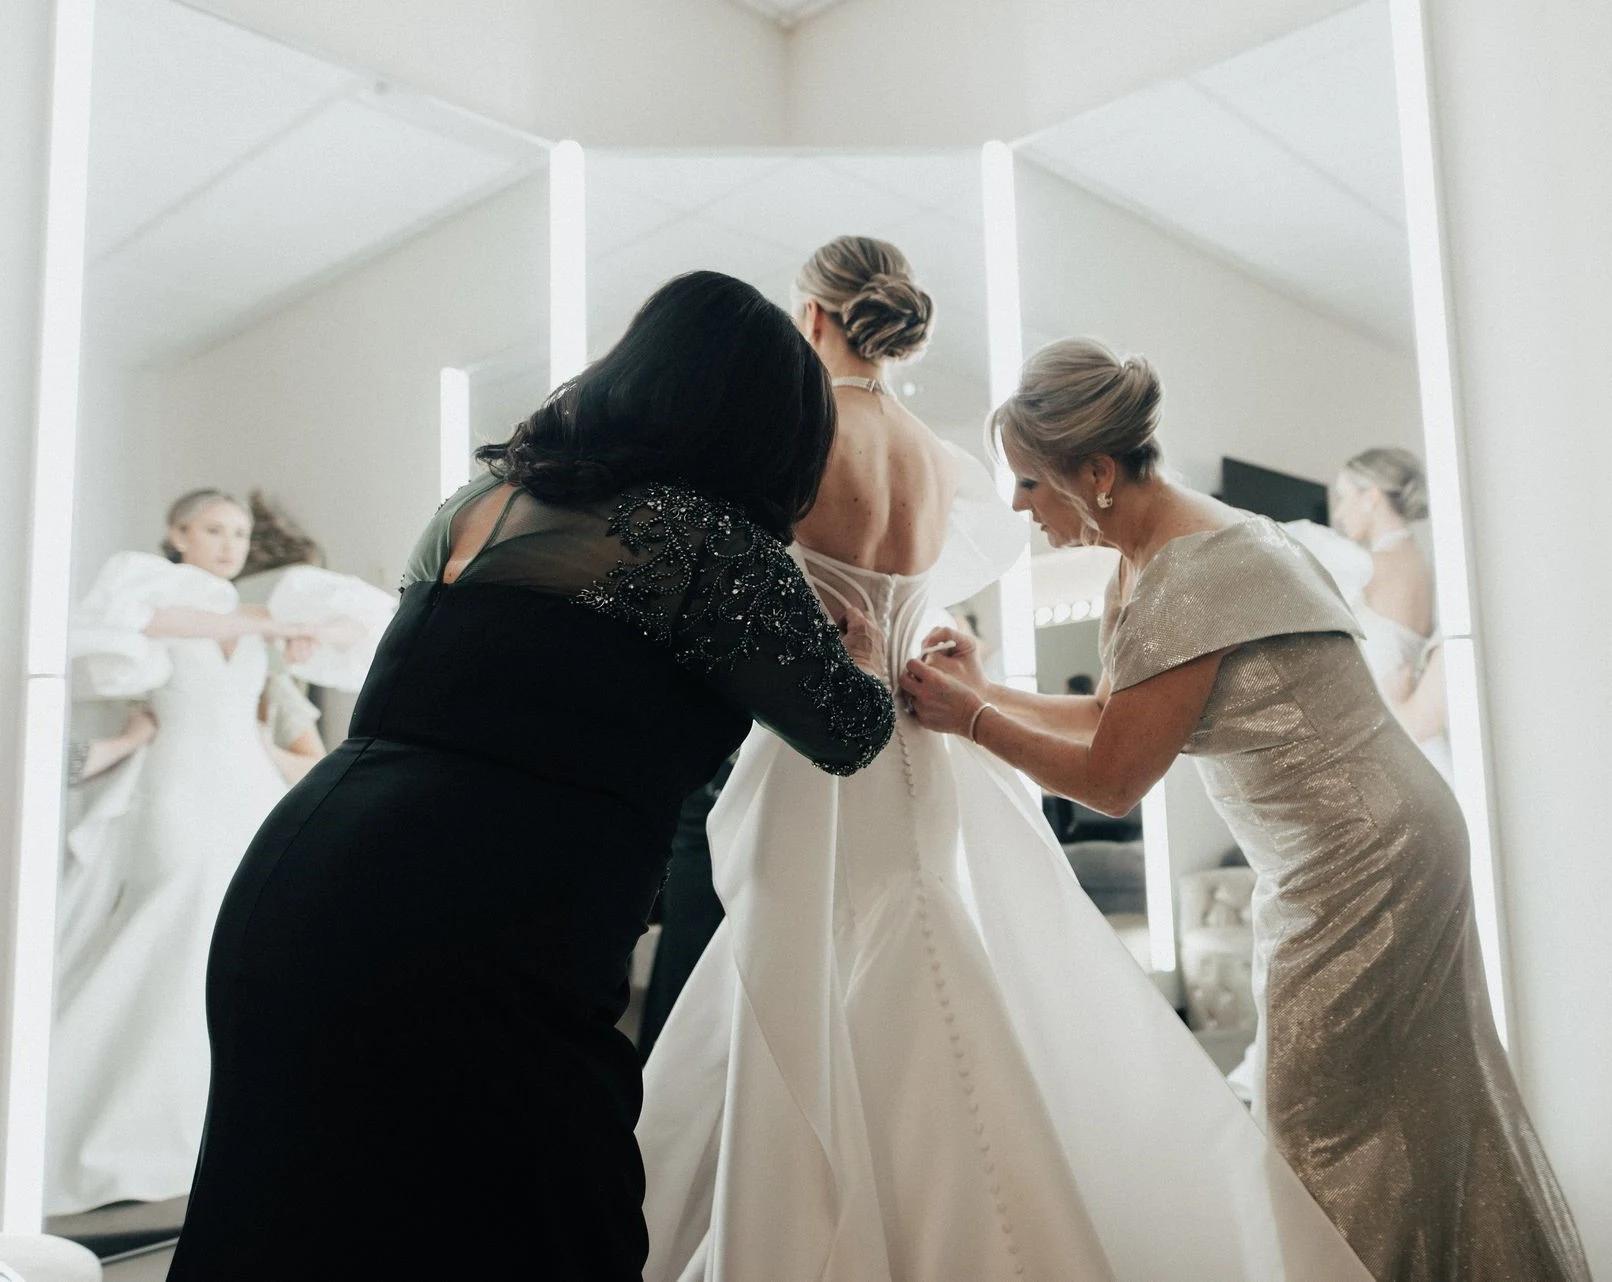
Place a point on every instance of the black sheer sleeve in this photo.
(734, 608)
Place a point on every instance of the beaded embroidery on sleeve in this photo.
(718, 591)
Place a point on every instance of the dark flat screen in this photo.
(1274, 494)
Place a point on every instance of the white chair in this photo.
(1217, 949)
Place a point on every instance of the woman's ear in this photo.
(1103, 473)
(813, 321)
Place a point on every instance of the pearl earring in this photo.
(1105, 501)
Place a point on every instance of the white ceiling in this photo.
(230, 174)
(789, 13)
(1283, 160)
(759, 215)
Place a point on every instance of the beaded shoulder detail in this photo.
(729, 602)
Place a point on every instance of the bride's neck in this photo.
(843, 363)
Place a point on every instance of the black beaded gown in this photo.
(417, 972)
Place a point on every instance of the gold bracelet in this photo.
(974, 721)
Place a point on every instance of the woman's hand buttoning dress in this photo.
(418, 971)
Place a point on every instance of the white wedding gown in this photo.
(914, 1050)
(147, 868)
(1388, 645)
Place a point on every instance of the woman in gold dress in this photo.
(1384, 1084)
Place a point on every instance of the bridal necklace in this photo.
(877, 386)
(1383, 542)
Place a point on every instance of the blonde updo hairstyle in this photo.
(1077, 399)
(1397, 474)
(867, 285)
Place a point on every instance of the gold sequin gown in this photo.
(1383, 1081)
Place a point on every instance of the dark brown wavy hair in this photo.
(277, 540)
(711, 386)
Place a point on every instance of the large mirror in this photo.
(1244, 228)
(292, 269)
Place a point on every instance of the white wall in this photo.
(884, 72)
(124, 461)
(1524, 108)
(331, 404)
(1247, 371)
(604, 71)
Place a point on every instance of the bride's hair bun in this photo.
(868, 284)
(1398, 474)
(888, 318)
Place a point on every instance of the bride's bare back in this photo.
(886, 492)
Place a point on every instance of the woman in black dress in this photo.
(417, 973)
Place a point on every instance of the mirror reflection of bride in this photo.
(147, 866)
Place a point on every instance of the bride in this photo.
(148, 864)
(915, 1050)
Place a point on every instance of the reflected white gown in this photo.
(147, 868)
(1388, 645)
(915, 1050)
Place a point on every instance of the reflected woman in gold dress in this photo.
(1383, 1082)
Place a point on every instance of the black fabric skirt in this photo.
(412, 999)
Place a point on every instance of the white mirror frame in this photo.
(1015, 596)
(1444, 448)
(30, 939)
(28, 943)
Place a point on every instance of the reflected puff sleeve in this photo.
(309, 595)
(113, 657)
(734, 608)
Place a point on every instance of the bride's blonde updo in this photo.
(867, 284)
(1398, 474)
(1077, 399)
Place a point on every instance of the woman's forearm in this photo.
(1074, 715)
(1058, 762)
(180, 621)
(101, 755)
